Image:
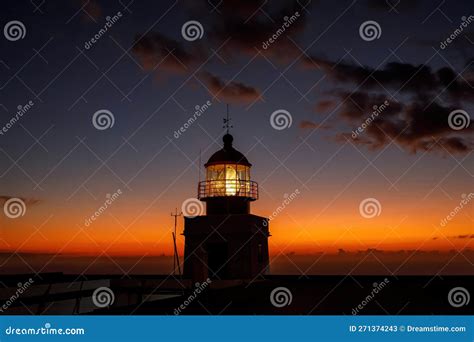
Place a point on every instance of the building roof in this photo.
(228, 154)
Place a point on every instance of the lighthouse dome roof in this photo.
(228, 154)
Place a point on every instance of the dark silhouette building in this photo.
(228, 242)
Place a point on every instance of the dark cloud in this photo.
(424, 126)
(404, 77)
(467, 236)
(325, 105)
(91, 10)
(306, 124)
(27, 201)
(249, 25)
(394, 75)
(463, 237)
(358, 105)
(235, 92)
(457, 88)
(155, 51)
(235, 27)
(419, 123)
(241, 27)
(417, 126)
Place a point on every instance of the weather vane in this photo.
(227, 124)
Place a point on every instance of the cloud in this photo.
(91, 10)
(416, 126)
(419, 123)
(234, 28)
(464, 237)
(235, 92)
(325, 105)
(419, 80)
(159, 53)
(27, 201)
(246, 25)
(237, 27)
(155, 51)
(306, 124)
(467, 236)
(394, 75)
(358, 105)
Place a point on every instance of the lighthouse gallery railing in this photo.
(228, 187)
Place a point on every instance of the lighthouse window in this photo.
(232, 185)
(228, 180)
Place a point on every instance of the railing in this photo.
(228, 187)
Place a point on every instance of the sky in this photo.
(302, 107)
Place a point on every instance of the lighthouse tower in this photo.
(228, 242)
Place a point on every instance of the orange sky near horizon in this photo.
(127, 228)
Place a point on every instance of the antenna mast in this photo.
(175, 255)
(227, 120)
(199, 167)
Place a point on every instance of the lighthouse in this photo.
(228, 242)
